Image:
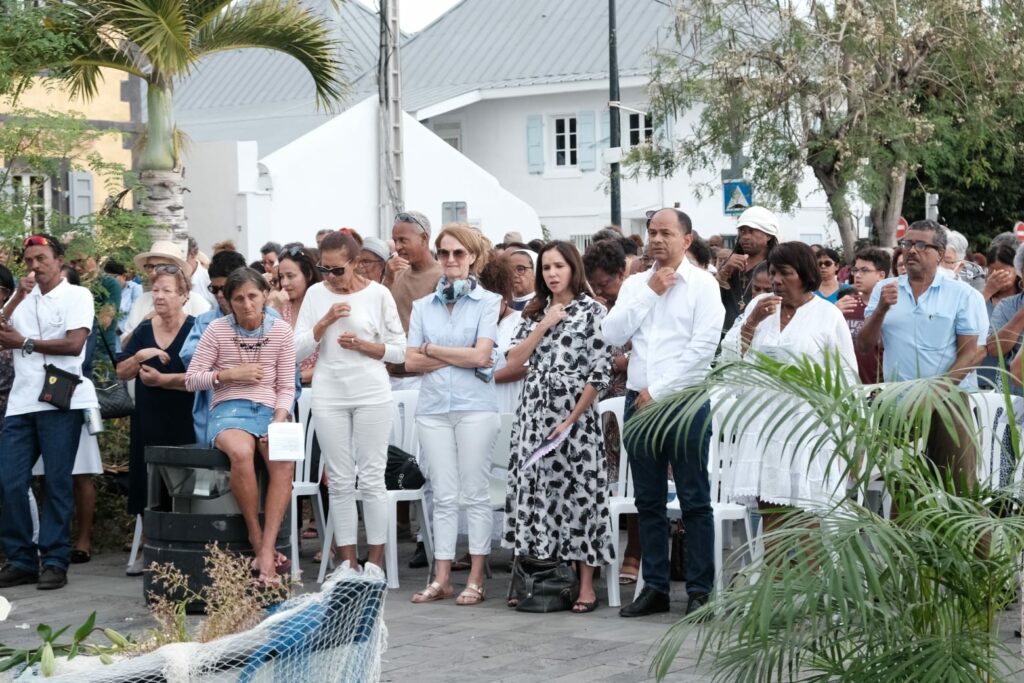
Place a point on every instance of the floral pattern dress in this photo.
(558, 508)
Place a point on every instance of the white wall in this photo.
(328, 179)
(493, 134)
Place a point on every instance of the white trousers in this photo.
(455, 450)
(354, 441)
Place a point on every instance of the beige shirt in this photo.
(410, 285)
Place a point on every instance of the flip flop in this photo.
(79, 556)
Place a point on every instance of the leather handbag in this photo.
(541, 586)
(112, 394)
(402, 471)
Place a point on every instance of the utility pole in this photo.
(614, 134)
(389, 133)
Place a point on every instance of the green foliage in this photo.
(52, 647)
(27, 47)
(843, 594)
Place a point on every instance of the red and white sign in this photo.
(1018, 230)
(901, 227)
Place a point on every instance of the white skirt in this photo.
(87, 459)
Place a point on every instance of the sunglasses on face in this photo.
(919, 245)
(215, 289)
(459, 254)
(337, 271)
(825, 264)
(409, 218)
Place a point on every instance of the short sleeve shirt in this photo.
(450, 389)
(50, 316)
(920, 336)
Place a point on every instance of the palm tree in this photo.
(845, 594)
(160, 41)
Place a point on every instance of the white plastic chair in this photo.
(621, 502)
(499, 462)
(306, 482)
(990, 414)
(403, 434)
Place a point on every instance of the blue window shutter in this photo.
(586, 141)
(535, 143)
(79, 194)
(606, 128)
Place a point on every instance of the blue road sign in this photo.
(737, 196)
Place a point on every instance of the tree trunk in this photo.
(886, 210)
(160, 171)
(835, 191)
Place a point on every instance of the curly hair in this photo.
(606, 255)
(497, 275)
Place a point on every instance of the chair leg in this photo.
(614, 598)
(428, 537)
(718, 554)
(325, 553)
(136, 541)
(295, 529)
(318, 513)
(391, 549)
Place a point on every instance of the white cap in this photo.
(760, 218)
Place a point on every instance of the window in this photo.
(565, 141)
(454, 212)
(450, 133)
(582, 241)
(641, 129)
(33, 192)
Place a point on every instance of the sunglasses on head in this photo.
(36, 241)
(162, 268)
(337, 271)
(409, 218)
(459, 254)
(293, 252)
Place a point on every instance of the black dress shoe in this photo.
(696, 601)
(12, 576)
(419, 558)
(52, 578)
(649, 601)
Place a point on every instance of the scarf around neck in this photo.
(451, 291)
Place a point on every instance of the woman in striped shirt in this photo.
(248, 359)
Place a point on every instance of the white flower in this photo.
(5, 608)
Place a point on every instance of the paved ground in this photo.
(435, 642)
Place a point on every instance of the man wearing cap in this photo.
(46, 323)
(162, 253)
(757, 234)
(372, 259)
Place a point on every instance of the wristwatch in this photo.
(27, 347)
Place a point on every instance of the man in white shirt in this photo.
(200, 276)
(46, 323)
(673, 314)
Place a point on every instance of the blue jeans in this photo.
(54, 434)
(689, 461)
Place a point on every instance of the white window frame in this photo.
(645, 133)
(450, 132)
(570, 138)
(38, 214)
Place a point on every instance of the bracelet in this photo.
(426, 349)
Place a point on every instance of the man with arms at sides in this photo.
(929, 326)
(673, 315)
(757, 234)
(870, 266)
(47, 321)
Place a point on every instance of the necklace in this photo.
(250, 351)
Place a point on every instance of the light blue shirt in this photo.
(920, 336)
(450, 389)
(129, 295)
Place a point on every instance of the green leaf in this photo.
(85, 629)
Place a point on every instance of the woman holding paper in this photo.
(353, 324)
(451, 338)
(248, 359)
(557, 500)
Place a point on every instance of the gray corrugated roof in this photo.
(239, 78)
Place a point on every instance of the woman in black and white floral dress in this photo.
(558, 507)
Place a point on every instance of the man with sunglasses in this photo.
(46, 323)
(929, 325)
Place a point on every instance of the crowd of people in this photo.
(219, 350)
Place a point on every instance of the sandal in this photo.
(310, 532)
(628, 574)
(472, 594)
(432, 593)
(581, 607)
(79, 556)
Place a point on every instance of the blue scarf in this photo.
(449, 292)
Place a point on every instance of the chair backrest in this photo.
(305, 404)
(304, 473)
(403, 427)
(502, 450)
(725, 442)
(991, 418)
(617, 407)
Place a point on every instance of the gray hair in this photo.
(1018, 260)
(416, 218)
(1007, 238)
(940, 231)
(239, 277)
(958, 243)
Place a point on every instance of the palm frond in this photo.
(284, 26)
(157, 29)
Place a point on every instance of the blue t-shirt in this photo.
(834, 296)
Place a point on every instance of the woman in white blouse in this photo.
(354, 324)
(789, 324)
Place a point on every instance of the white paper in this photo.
(286, 441)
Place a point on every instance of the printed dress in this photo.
(558, 508)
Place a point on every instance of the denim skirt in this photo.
(239, 413)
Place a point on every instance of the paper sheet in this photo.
(286, 441)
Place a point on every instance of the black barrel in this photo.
(181, 538)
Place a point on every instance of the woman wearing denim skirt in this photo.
(452, 333)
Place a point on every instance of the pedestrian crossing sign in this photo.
(738, 196)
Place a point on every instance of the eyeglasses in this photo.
(459, 254)
(168, 268)
(825, 264)
(337, 271)
(858, 271)
(522, 270)
(369, 262)
(409, 218)
(215, 289)
(919, 245)
(36, 241)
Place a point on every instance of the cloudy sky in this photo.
(415, 14)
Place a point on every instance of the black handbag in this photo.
(541, 586)
(112, 394)
(402, 471)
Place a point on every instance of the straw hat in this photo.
(164, 249)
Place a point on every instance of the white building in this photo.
(519, 88)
